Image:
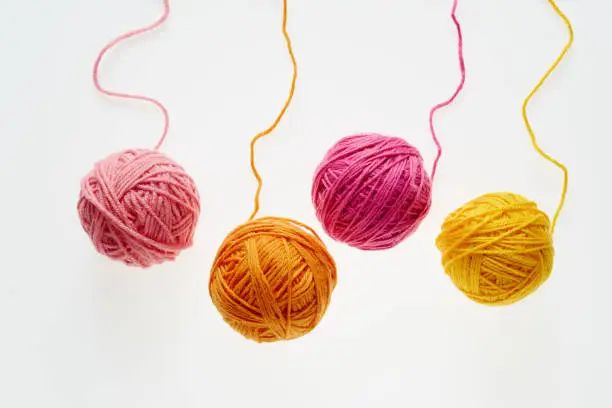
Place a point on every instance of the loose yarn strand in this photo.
(498, 248)
(119, 39)
(278, 118)
(452, 98)
(138, 206)
(528, 125)
(272, 278)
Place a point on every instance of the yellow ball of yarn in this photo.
(497, 249)
(272, 279)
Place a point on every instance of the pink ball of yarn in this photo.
(139, 207)
(371, 191)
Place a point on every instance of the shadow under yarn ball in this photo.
(272, 279)
(497, 249)
(139, 207)
(371, 191)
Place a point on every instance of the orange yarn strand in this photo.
(278, 118)
(272, 278)
(528, 125)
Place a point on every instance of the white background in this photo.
(78, 330)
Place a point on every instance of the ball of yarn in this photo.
(371, 191)
(272, 279)
(139, 207)
(497, 249)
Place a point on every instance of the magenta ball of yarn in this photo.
(371, 191)
(139, 207)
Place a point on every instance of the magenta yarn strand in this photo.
(452, 98)
(119, 39)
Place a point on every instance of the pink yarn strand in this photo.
(119, 39)
(452, 98)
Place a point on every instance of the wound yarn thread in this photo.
(272, 278)
(138, 206)
(497, 249)
(371, 191)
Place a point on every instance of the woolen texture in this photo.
(272, 279)
(371, 191)
(139, 207)
(497, 249)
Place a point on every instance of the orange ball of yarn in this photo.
(272, 279)
(139, 207)
(497, 249)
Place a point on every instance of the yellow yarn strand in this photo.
(498, 248)
(278, 118)
(528, 125)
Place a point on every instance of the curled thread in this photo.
(114, 42)
(278, 118)
(452, 98)
(533, 92)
